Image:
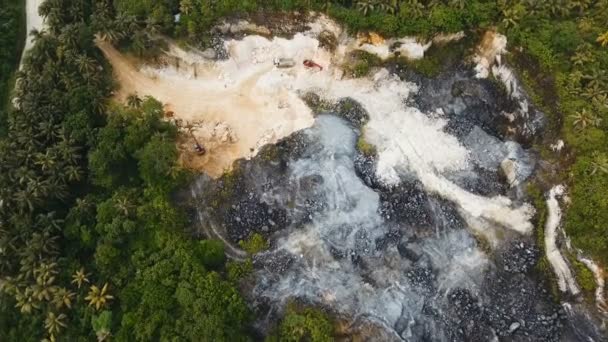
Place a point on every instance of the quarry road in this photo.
(33, 22)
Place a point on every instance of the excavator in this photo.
(198, 148)
(312, 64)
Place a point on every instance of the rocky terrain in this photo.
(397, 257)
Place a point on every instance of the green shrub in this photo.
(364, 147)
(308, 324)
(361, 62)
(254, 244)
(212, 253)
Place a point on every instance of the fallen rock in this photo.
(209, 53)
(513, 327)
(509, 169)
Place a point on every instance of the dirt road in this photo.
(33, 22)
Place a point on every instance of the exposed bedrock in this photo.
(398, 257)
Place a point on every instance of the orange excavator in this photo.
(311, 64)
(198, 148)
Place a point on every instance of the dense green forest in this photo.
(12, 38)
(91, 246)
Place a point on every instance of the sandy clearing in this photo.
(254, 115)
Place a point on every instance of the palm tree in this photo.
(54, 323)
(123, 205)
(599, 163)
(557, 8)
(110, 34)
(533, 7)
(73, 173)
(46, 273)
(584, 119)
(326, 6)
(51, 338)
(43, 290)
(139, 43)
(86, 65)
(98, 297)
(596, 77)
(603, 39)
(40, 244)
(63, 297)
(583, 55)
(134, 101)
(366, 6)
(26, 301)
(80, 277)
(82, 205)
(68, 151)
(77, 10)
(36, 35)
(457, 3)
(511, 17)
(416, 8)
(47, 222)
(48, 129)
(388, 6)
(579, 5)
(46, 161)
(600, 101)
(186, 7)
(432, 3)
(69, 36)
(594, 92)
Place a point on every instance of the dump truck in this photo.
(284, 62)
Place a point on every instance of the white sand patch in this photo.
(565, 279)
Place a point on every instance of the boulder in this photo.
(209, 53)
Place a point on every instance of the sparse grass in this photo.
(439, 58)
(316, 103)
(364, 147)
(229, 181)
(254, 244)
(483, 243)
(269, 152)
(584, 277)
(361, 63)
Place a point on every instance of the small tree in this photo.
(584, 119)
(101, 325)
